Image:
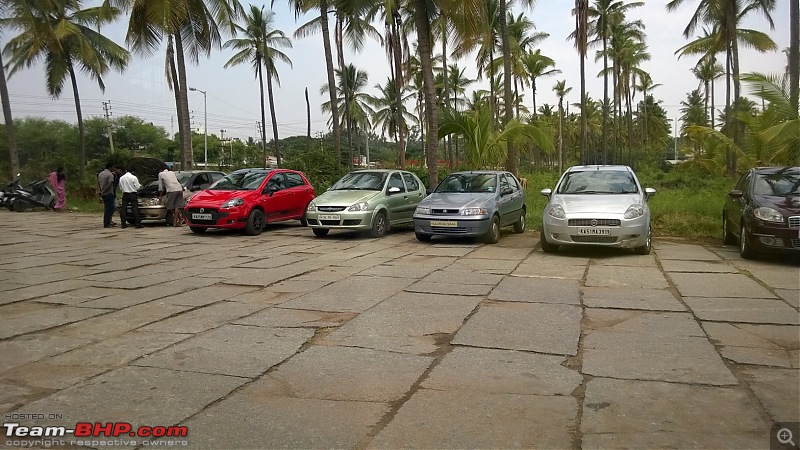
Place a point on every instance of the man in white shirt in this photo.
(168, 184)
(129, 185)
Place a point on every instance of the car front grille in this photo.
(215, 215)
(794, 222)
(597, 222)
(796, 243)
(445, 212)
(329, 222)
(331, 208)
(449, 230)
(352, 222)
(312, 222)
(594, 239)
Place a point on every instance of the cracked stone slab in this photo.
(328, 274)
(204, 318)
(260, 277)
(427, 287)
(146, 390)
(80, 295)
(13, 396)
(41, 290)
(493, 371)
(537, 290)
(344, 374)
(399, 271)
(641, 299)
(764, 345)
(26, 317)
(293, 318)
(423, 261)
(775, 274)
(231, 350)
(752, 310)
(207, 295)
(647, 414)
(477, 420)
(283, 422)
(88, 361)
(406, 322)
(684, 252)
(718, 285)
(459, 277)
(121, 321)
(149, 293)
(622, 276)
(792, 296)
(777, 389)
(497, 267)
(659, 346)
(494, 253)
(355, 294)
(547, 267)
(674, 265)
(628, 260)
(297, 286)
(32, 347)
(535, 327)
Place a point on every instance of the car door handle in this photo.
(405, 196)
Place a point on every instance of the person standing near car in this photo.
(168, 185)
(105, 180)
(129, 185)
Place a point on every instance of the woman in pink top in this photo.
(57, 179)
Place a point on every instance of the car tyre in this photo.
(255, 223)
(645, 249)
(546, 246)
(493, 235)
(321, 232)
(519, 225)
(198, 230)
(745, 248)
(727, 237)
(422, 237)
(303, 220)
(379, 225)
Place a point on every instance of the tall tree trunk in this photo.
(13, 156)
(446, 91)
(431, 113)
(492, 93)
(560, 134)
(794, 53)
(728, 125)
(274, 121)
(81, 131)
(605, 87)
(187, 153)
(644, 117)
(173, 79)
(339, 40)
(512, 164)
(581, 30)
(533, 94)
(308, 118)
(398, 85)
(326, 43)
(260, 71)
(713, 82)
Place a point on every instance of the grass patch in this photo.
(76, 204)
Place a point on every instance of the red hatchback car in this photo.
(248, 199)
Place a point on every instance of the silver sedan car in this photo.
(598, 206)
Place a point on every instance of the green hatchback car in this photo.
(367, 200)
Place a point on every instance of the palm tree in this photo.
(522, 41)
(384, 113)
(645, 85)
(794, 51)
(561, 91)
(67, 37)
(259, 48)
(352, 81)
(538, 65)
(707, 70)
(581, 13)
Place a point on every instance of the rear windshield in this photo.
(598, 182)
(468, 183)
(780, 184)
(241, 181)
(361, 181)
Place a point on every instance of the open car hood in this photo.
(145, 168)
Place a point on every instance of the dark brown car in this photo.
(763, 212)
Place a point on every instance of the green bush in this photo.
(319, 166)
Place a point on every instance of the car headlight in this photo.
(311, 207)
(422, 210)
(362, 206)
(232, 203)
(474, 212)
(768, 214)
(556, 211)
(149, 202)
(634, 211)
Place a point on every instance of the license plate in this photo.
(201, 216)
(594, 231)
(328, 217)
(444, 223)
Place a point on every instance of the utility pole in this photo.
(676, 140)
(107, 111)
(222, 143)
(205, 127)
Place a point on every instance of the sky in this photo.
(232, 94)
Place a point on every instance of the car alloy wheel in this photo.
(745, 249)
(378, 225)
(255, 223)
(493, 235)
(546, 246)
(727, 237)
(519, 225)
(645, 249)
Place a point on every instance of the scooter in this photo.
(7, 195)
(37, 193)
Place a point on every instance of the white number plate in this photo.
(444, 223)
(328, 217)
(594, 231)
(201, 216)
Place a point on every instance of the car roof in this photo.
(487, 172)
(773, 170)
(599, 167)
(380, 170)
(198, 171)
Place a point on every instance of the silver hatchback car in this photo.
(597, 206)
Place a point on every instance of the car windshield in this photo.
(183, 177)
(361, 181)
(598, 182)
(244, 181)
(468, 183)
(779, 183)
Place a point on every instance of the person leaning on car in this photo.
(129, 185)
(168, 183)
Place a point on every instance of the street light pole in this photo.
(205, 127)
(676, 139)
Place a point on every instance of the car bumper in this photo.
(154, 212)
(340, 220)
(452, 225)
(610, 231)
(767, 237)
(215, 218)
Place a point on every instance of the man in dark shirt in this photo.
(105, 181)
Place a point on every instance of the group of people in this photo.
(117, 176)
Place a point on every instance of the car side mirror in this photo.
(649, 192)
(506, 191)
(735, 194)
(394, 190)
(546, 192)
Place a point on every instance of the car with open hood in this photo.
(599, 205)
(476, 203)
(248, 199)
(762, 212)
(367, 200)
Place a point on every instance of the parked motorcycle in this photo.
(7, 194)
(37, 194)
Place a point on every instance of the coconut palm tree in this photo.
(352, 82)
(645, 85)
(561, 91)
(384, 113)
(259, 47)
(538, 65)
(67, 37)
(707, 70)
(794, 50)
(581, 37)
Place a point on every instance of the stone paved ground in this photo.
(287, 340)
